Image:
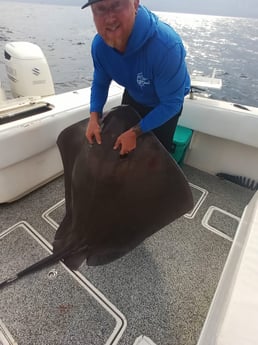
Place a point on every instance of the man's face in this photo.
(114, 20)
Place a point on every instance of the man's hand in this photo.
(127, 142)
(93, 129)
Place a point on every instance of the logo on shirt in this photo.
(141, 80)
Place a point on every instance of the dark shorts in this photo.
(165, 132)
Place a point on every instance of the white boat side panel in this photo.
(23, 177)
(35, 137)
(215, 155)
(25, 138)
(233, 315)
(221, 119)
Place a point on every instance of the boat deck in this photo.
(161, 290)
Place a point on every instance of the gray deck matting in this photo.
(47, 308)
(164, 287)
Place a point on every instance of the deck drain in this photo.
(51, 275)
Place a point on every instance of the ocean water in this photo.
(64, 33)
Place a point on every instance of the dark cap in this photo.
(90, 2)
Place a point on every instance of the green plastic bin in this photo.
(181, 141)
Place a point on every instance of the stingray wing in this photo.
(114, 203)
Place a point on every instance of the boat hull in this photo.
(224, 140)
(28, 150)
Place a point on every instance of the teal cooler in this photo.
(181, 141)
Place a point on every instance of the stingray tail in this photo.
(45, 262)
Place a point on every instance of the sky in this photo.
(231, 8)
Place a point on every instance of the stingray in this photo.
(112, 202)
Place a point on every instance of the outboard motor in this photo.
(27, 70)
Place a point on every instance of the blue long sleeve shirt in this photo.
(152, 69)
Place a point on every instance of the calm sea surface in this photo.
(64, 33)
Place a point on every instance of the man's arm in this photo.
(172, 83)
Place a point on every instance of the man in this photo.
(147, 57)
